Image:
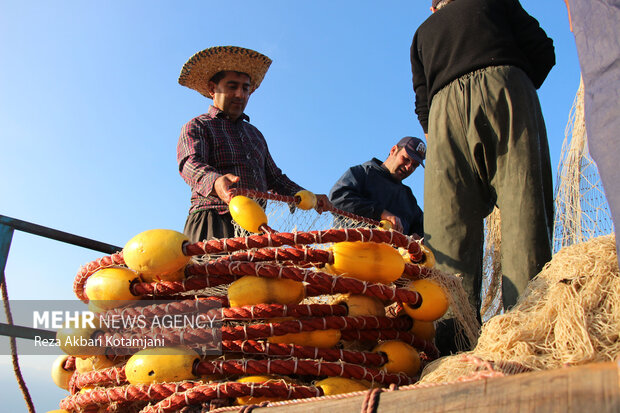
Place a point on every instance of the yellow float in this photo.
(385, 224)
(402, 358)
(163, 364)
(428, 258)
(247, 213)
(252, 290)
(316, 338)
(305, 200)
(60, 376)
(248, 400)
(156, 252)
(76, 338)
(93, 363)
(367, 261)
(434, 301)
(362, 305)
(111, 288)
(339, 385)
(423, 329)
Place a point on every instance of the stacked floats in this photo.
(275, 341)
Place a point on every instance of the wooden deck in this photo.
(593, 388)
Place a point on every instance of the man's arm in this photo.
(192, 154)
(419, 85)
(533, 41)
(347, 194)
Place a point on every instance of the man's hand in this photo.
(396, 224)
(322, 203)
(222, 186)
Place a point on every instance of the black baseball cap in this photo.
(415, 147)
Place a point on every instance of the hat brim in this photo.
(202, 66)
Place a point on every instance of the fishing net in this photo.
(492, 267)
(581, 209)
(569, 315)
(294, 247)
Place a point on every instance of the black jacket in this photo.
(467, 35)
(368, 189)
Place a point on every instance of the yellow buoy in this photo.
(316, 338)
(252, 290)
(93, 363)
(111, 288)
(362, 305)
(402, 358)
(305, 200)
(428, 258)
(178, 275)
(156, 252)
(247, 213)
(340, 385)
(434, 301)
(367, 261)
(77, 337)
(60, 376)
(247, 400)
(423, 329)
(385, 224)
(159, 365)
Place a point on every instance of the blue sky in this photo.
(90, 113)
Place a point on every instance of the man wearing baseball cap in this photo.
(375, 190)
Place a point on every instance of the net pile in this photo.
(290, 370)
(569, 315)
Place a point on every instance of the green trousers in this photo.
(487, 146)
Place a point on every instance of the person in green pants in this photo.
(476, 65)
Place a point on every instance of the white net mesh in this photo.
(284, 217)
(492, 267)
(581, 209)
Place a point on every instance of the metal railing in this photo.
(7, 227)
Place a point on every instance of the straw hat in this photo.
(201, 67)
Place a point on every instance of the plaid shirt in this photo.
(210, 146)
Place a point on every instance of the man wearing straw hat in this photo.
(375, 189)
(476, 65)
(221, 149)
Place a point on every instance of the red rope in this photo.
(201, 394)
(303, 255)
(256, 331)
(315, 368)
(228, 245)
(103, 377)
(124, 394)
(322, 282)
(206, 306)
(292, 350)
(254, 241)
(204, 336)
(376, 335)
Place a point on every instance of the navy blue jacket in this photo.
(368, 189)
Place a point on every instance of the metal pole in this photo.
(30, 333)
(58, 235)
(6, 236)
